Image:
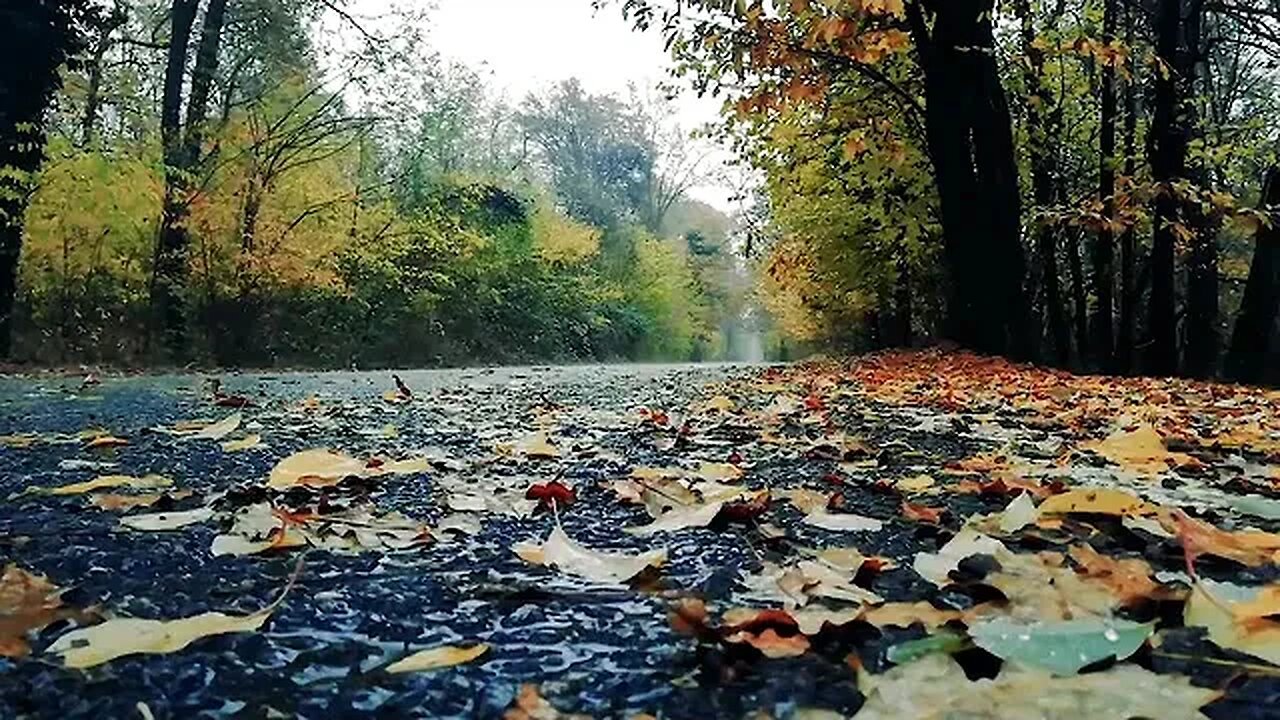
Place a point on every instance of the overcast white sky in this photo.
(528, 45)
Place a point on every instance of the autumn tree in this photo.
(797, 52)
(39, 37)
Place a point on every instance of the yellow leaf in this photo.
(106, 441)
(907, 614)
(437, 658)
(24, 440)
(247, 443)
(112, 501)
(315, 468)
(1242, 625)
(538, 446)
(1103, 501)
(1141, 449)
(117, 638)
(919, 483)
(106, 481)
(719, 472)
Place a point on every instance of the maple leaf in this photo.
(28, 602)
(922, 513)
(551, 494)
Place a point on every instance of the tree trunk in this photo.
(1200, 356)
(1200, 353)
(1079, 298)
(182, 160)
(1128, 241)
(1169, 135)
(902, 302)
(39, 37)
(1043, 124)
(1256, 323)
(93, 96)
(249, 219)
(971, 145)
(1104, 244)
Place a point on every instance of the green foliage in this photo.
(386, 211)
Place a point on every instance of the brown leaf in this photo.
(28, 602)
(1130, 579)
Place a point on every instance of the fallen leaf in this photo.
(562, 553)
(680, 519)
(114, 502)
(719, 472)
(160, 522)
(315, 468)
(922, 513)
(917, 484)
(538, 446)
(1129, 579)
(530, 705)
(88, 647)
(1237, 617)
(1061, 647)
(1103, 501)
(936, 686)
(771, 644)
(106, 441)
(841, 522)
(437, 658)
(551, 493)
(944, 641)
(1141, 450)
(805, 500)
(149, 482)
(796, 585)
(220, 429)
(907, 614)
(249, 442)
(1018, 514)
(937, 567)
(28, 602)
(1248, 547)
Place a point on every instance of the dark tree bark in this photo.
(1079, 298)
(1044, 120)
(1170, 134)
(1251, 339)
(970, 142)
(1128, 240)
(36, 38)
(1101, 322)
(1200, 353)
(93, 95)
(902, 305)
(182, 160)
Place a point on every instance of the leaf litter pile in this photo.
(898, 536)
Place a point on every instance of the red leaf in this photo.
(545, 493)
(747, 510)
(921, 513)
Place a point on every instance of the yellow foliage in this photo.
(562, 239)
(93, 213)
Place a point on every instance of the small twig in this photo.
(1244, 666)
